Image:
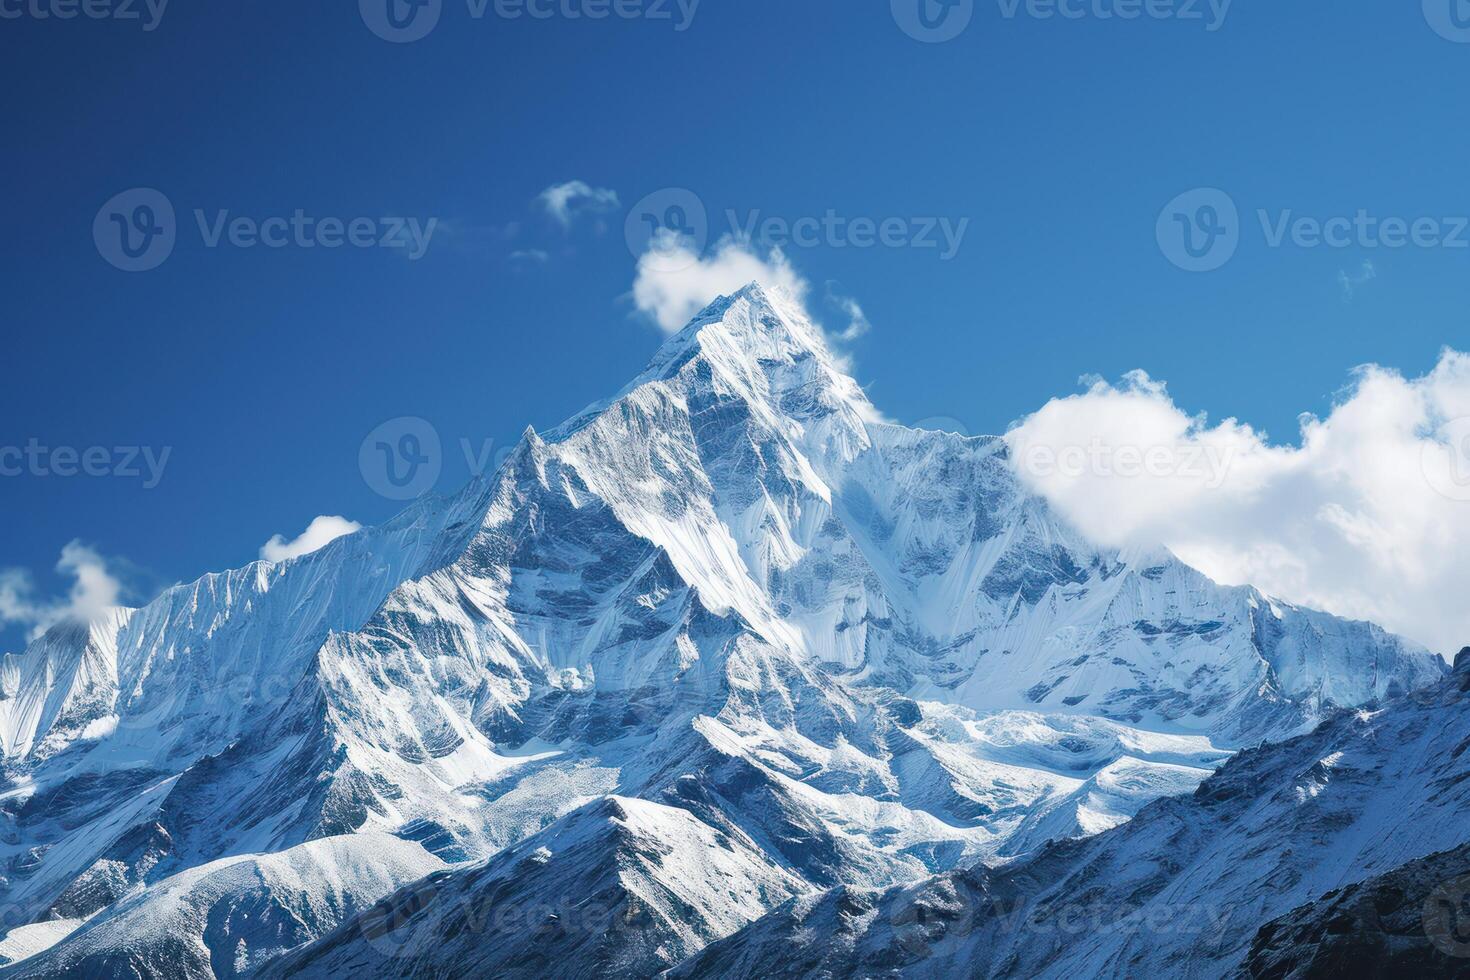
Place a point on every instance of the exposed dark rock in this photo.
(1413, 921)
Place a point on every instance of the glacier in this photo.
(726, 629)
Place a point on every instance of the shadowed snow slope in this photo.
(1183, 888)
(1408, 922)
(862, 652)
(620, 887)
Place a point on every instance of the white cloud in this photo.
(318, 534)
(94, 591)
(17, 598)
(1352, 283)
(857, 320)
(565, 201)
(674, 282)
(1368, 517)
(533, 255)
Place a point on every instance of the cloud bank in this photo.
(1368, 517)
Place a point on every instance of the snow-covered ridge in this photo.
(862, 651)
(630, 887)
(1192, 886)
(897, 556)
(233, 915)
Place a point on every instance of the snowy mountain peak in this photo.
(756, 323)
(837, 651)
(759, 346)
(763, 327)
(767, 329)
(63, 685)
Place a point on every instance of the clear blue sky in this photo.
(1060, 140)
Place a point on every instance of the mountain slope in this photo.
(620, 887)
(1406, 922)
(730, 590)
(226, 918)
(1181, 890)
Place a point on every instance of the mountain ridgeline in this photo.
(723, 664)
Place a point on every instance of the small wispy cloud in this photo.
(1352, 282)
(318, 534)
(857, 321)
(533, 255)
(95, 589)
(566, 202)
(468, 235)
(674, 281)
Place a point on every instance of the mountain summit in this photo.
(729, 604)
